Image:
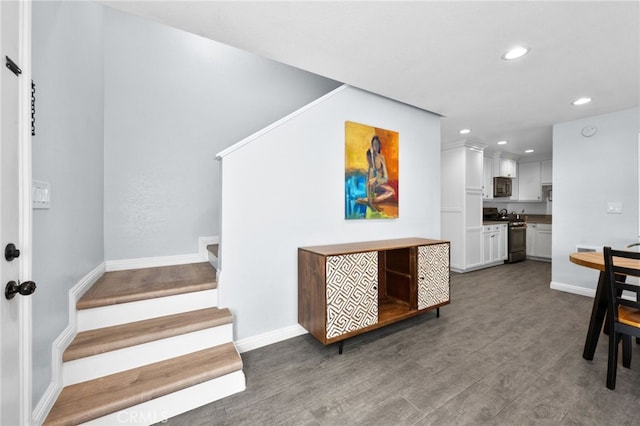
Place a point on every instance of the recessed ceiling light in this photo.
(581, 101)
(465, 131)
(529, 151)
(502, 142)
(515, 53)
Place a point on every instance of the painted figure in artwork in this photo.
(371, 175)
(377, 177)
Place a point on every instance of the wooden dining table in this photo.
(595, 260)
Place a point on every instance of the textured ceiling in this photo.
(444, 57)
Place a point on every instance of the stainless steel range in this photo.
(517, 241)
(517, 236)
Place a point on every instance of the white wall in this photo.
(129, 117)
(67, 153)
(172, 101)
(588, 172)
(285, 190)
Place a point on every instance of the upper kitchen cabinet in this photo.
(474, 164)
(547, 172)
(529, 183)
(507, 167)
(487, 178)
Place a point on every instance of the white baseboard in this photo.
(62, 342)
(570, 288)
(153, 262)
(203, 242)
(265, 339)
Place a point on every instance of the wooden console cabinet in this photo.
(348, 289)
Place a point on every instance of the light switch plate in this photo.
(40, 194)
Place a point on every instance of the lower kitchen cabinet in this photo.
(348, 289)
(539, 241)
(494, 244)
(543, 241)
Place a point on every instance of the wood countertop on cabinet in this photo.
(346, 248)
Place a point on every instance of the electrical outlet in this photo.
(614, 207)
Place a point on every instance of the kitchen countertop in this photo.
(538, 218)
(529, 218)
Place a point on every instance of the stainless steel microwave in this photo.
(502, 187)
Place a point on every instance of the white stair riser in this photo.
(123, 313)
(213, 260)
(171, 405)
(83, 369)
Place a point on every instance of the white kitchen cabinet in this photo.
(529, 186)
(543, 241)
(461, 203)
(514, 189)
(546, 175)
(473, 249)
(494, 243)
(474, 164)
(507, 167)
(503, 241)
(487, 178)
(532, 228)
(539, 240)
(488, 238)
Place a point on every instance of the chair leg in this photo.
(626, 351)
(612, 362)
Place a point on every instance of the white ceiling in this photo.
(444, 56)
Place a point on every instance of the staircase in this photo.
(151, 344)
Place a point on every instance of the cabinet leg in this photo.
(437, 312)
(340, 343)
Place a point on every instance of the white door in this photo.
(15, 354)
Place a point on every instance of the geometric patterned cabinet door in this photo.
(352, 292)
(433, 275)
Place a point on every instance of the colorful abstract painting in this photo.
(371, 172)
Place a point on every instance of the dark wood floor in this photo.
(506, 351)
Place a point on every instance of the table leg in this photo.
(598, 313)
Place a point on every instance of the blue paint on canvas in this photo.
(354, 188)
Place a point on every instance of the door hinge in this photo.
(13, 66)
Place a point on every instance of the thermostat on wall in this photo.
(589, 131)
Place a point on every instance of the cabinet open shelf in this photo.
(348, 289)
(390, 309)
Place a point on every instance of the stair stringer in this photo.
(61, 343)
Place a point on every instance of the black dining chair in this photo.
(623, 314)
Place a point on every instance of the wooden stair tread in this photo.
(213, 248)
(94, 342)
(96, 398)
(148, 283)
